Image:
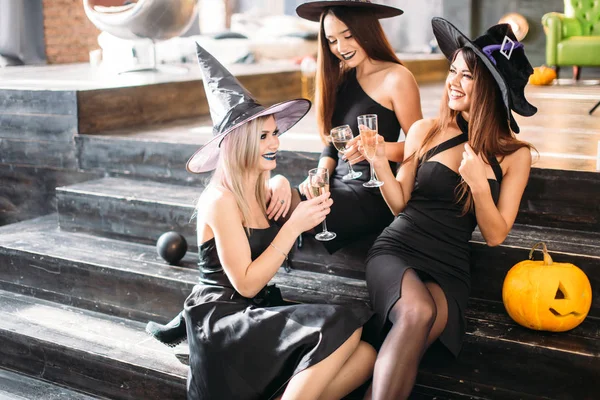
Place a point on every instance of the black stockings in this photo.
(416, 325)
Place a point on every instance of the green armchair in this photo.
(573, 38)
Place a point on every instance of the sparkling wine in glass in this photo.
(367, 125)
(340, 136)
(318, 179)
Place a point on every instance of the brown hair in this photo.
(368, 33)
(489, 131)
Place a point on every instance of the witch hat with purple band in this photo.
(503, 56)
(231, 106)
(312, 10)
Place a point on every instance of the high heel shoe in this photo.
(170, 334)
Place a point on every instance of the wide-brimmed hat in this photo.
(502, 54)
(231, 106)
(312, 10)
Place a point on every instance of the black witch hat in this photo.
(231, 106)
(503, 56)
(312, 10)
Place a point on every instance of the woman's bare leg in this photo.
(311, 383)
(354, 373)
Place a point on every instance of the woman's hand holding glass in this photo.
(319, 184)
(379, 152)
(367, 125)
(344, 142)
(352, 155)
(310, 213)
(304, 189)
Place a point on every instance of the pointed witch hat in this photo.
(231, 106)
(502, 54)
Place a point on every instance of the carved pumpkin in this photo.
(542, 76)
(547, 296)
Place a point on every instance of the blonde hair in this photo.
(240, 155)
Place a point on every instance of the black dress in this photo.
(431, 237)
(357, 211)
(244, 348)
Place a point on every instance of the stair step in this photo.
(113, 357)
(129, 209)
(84, 350)
(561, 199)
(142, 211)
(160, 151)
(147, 159)
(126, 279)
(555, 198)
(89, 351)
(38, 115)
(14, 386)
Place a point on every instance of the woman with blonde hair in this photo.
(245, 342)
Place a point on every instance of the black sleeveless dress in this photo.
(431, 237)
(244, 348)
(357, 211)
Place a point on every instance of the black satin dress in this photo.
(247, 349)
(431, 237)
(357, 211)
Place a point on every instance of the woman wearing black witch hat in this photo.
(245, 342)
(463, 169)
(358, 73)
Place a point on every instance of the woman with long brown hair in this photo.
(358, 73)
(463, 169)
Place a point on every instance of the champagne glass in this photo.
(318, 179)
(367, 125)
(340, 136)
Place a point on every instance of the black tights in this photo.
(415, 326)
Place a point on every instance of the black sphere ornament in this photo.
(171, 246)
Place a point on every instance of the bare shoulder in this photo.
(216, 200)
(421, 127)
(519, 160)
(399, 77)
(419, 130)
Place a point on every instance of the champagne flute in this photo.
(340, 136)
(367, 125)
(318, 179)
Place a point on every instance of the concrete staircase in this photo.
(78, 285)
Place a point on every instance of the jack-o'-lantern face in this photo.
(544, 295)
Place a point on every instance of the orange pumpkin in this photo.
(546, 296)
(542, 76)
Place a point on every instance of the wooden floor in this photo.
(563, 132)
